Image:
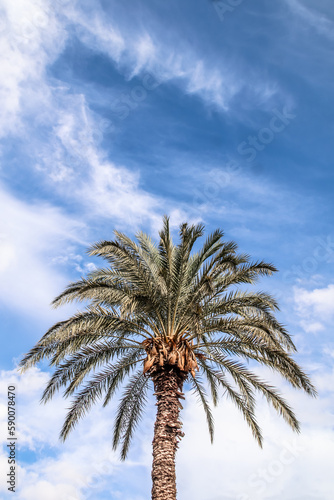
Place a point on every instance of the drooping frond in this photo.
(243, 405)
(79, 365)
(129, 411)
(87, 328)
(160, 307)
(246, 380)
(211, 379)
(107, 380)
(201, 393)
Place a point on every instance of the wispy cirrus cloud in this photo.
(59, 132)
(320, 22)
(170, 57)
(76, 166)
(57, 129)
(31, 37)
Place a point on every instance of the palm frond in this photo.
(241, 403)
(108, 380)
(79, 365)
(164, 307)
(200, 391)
(130, 411)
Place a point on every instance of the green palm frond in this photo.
(130, 411)
(106, 381)
(160, 307)
(212, 381)
(242, 404)
(199, 390)
(79, 365)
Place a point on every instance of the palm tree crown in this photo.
(164, 310)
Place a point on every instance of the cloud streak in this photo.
(31, 235)
(319, 22)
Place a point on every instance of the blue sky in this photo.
(114, 113)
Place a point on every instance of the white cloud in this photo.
(139, 50)
(321, 300)
(77, 167)
(115, 192)
(82, 171)
(57, 471)
(30, 37)
(144, 54)
(169, 57)
(30, 237)
(94, 31)
(315, 307)
(70, 160)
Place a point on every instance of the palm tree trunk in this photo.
(168, 389)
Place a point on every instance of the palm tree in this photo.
(166, 314)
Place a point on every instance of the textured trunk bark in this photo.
(167, 432)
